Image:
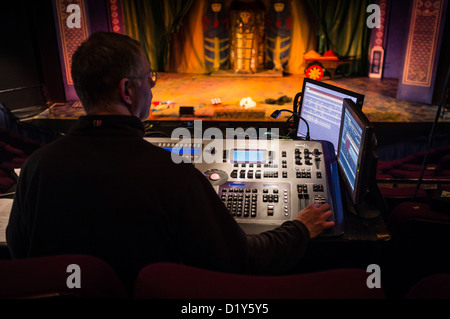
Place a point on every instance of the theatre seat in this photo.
(23, 135)
(18, 141)
(410, 167)
(5, 182)
(172, 281)
(46, 277)
(432, 287)
(420, 237)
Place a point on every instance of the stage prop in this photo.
(243, 34)
(279, 31)
(318, 65)
(247, 33)
(216, 29)
(244, 61)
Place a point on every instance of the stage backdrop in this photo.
(172, 31)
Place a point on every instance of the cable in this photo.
(296, 112)
(276, 114)
(295, 104)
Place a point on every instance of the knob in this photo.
(214, 177)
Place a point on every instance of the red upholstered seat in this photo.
(167, 281)
(13, 163)
(5, 184)
(432, 287)
(416, 212)
(46, 277)
(410, 167)
(420, 236)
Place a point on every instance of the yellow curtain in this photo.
(153, 23)
(304, 35)
(187, 51)
(132, 14)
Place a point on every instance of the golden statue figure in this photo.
(245, 37)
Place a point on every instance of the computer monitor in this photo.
(321, 106)
(357, 159)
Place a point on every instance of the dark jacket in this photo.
(103, 190)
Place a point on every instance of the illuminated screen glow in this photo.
(183, 150)
(322, 109)
(350, 148)
(248, 156)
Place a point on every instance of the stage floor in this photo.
(175, 90)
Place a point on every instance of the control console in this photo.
(264, 183)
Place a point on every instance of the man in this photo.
(103, 190)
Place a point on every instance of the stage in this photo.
(175, 90)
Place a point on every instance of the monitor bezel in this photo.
(359, 98)
(364, 163)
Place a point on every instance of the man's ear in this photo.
(125, 87)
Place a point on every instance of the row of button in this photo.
(318, 187)
(239, 206)
(251, 190)
(306, 151)
(303, 188)
(320, 199)
(250, 174)
(308, 158)
(256, 165)
(270, 198)
(242, 202)
(302, 191)
(240, 190)
(239, 197)
(246, 174)
(270, 174)
(271, 209)
(180, 145)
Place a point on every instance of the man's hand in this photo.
(315, 218)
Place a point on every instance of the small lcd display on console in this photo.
(236, 185)
(242, 156)
(183, 150)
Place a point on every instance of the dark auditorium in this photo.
(225, 157)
